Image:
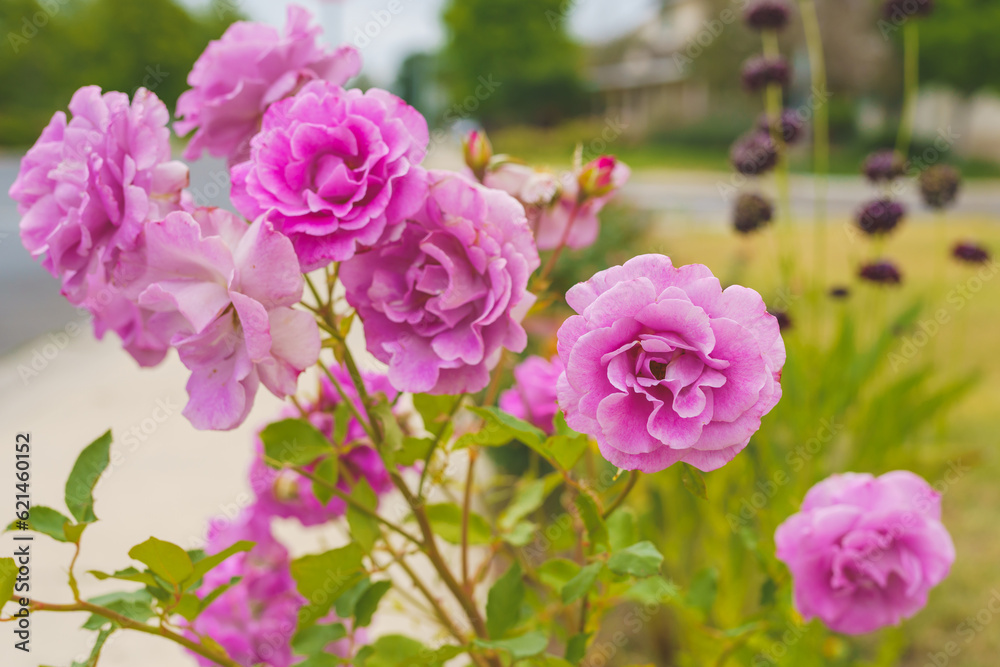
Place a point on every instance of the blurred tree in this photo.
(959, 45)
(53, 47)
(511, 61)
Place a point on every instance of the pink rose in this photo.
(287, 494)
(440, 303)
(663, 366)
(533, 396)
(251, 67)
(222, 292)
(550, 201)
(333, 168)
(864, 551)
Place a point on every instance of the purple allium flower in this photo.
(840, 292)
(87, 187)
(254, 620)
(287, 494)
(880, 216)
(881, 273)
(900, 10)
(970, 252)
(939, 185)
(754, 154)
(784, 319)
(792, 125)
(752, 212)
(767, 14)
(884, 166)
(441, 301)
(663, 366)
(251, 67)
(333, 169)
(864, 551)
(761, 71)
(222, 292)
(533, 396)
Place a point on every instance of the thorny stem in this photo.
(554, 257)
(129, 624)
(435, 445)
(617, 502)
(466, 504)
(356, 505)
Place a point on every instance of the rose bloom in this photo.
(550, 201)
(222, 293)
(440, 303)
(287, 494)
(252, 66)
(333, 168)
(663, 366)
(533, 396)
(85, 190)
(864, 551)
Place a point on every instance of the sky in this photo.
(416, 26)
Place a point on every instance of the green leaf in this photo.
(208, 563)
(499, 428)
(581, 584)
(95, 651)
(522, 534)
(694, 481)
(315, 639)
(434, 410)
(576, 648)
(322, 578)
(364, 528)
(167, 561)
(393, 651)
(446, 519)
(503, 606)
(652, 591)
(528, 497)
(557, 572)
(414, 449)
(565, 450)
(368, 603)
(46, 521)
(74, 532)
(349, 599)
(189, 606)
(704, 588)
(128, 574)
(437, 657)
(8, 577)
(327, 470)
(592, 519)
(392, 435)
(639, 560)
(342, 418)
(216, 593)
(519, 648)
(89, 467)
(294, 442)
(136, 605)
(622, 530)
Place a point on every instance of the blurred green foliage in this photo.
(52, 47)
(959, 44)
(510, 61)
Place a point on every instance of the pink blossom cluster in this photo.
(255, 619)
(287, 494)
